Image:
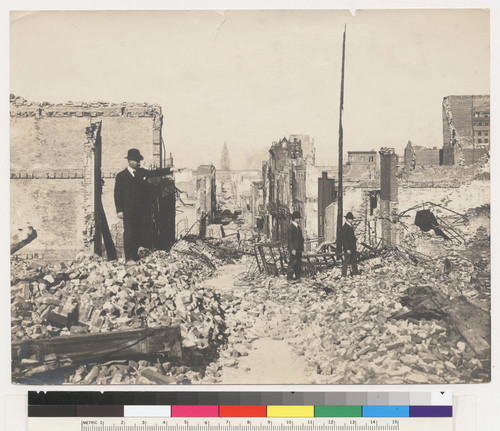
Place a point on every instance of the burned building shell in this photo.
(63, 156)
(466, 129)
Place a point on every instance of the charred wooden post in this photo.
(340, 209)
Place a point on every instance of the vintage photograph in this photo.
(250, 197)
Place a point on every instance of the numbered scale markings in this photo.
(243, 424)
(251, 425)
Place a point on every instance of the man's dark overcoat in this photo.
(348, 237)
(349, 243)
(295, 243)
(131, 199)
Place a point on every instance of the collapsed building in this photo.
(466, 129)
(197, 206)
(416, 155)
(290, 183)
(64, 158)
(257, 206)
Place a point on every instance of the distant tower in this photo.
(225, 164)
(170, 161)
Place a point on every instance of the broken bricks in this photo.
(163, 288)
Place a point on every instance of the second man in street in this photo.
(296, 247)
(349, 246)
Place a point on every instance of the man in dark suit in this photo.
(296, 247)
(349, 246)
(130, 200)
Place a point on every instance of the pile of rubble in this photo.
(362, 329)
(91, 295)
(445, 176)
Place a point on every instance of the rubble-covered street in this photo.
(395, 323)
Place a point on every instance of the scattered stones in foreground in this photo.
(345, 328)
(92, 295)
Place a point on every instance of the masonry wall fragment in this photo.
(49, 154)
(466, 126)
(388, 196)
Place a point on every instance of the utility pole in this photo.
(340, 209)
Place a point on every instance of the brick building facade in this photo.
(466, 129)
(52, 148)
(361, 165)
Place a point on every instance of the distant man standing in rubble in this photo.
(130, 199)
(349, 246)
(296, 247)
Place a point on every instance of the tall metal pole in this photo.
(340, 209)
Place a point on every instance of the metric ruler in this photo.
(243, 424)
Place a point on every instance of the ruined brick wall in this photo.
(388, 197)
(331, 222)
(290, 184)
(388, 180)
(206, 194)
(426, 156)
(45, 146)
(361, 165)
(55, 208)
(461, 115)
(416, 155)
(472, 155)
(409, 157)
(48, 141)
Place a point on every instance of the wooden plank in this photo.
(257, 258)
(478, 344)
(472, 322)
(109, 345)
(22, 238)
(275, 263)
(106, 234)
(263, 257)
(157, 378)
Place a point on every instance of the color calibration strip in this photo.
(354, 405)
(208, 398)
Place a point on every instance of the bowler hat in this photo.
(134, 154)
(295, 215)
(349, 216)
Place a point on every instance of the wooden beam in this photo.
(108, 345)
(157, 378)
(472, 323)
(340, 199)
(22, 238)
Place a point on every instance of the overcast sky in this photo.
(251, 77)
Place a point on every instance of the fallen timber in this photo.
(48, 354)
(272, 259)
(469, 320)
(22, 238)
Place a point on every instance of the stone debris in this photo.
(346, 327)
(360, 330)
(94, 295)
